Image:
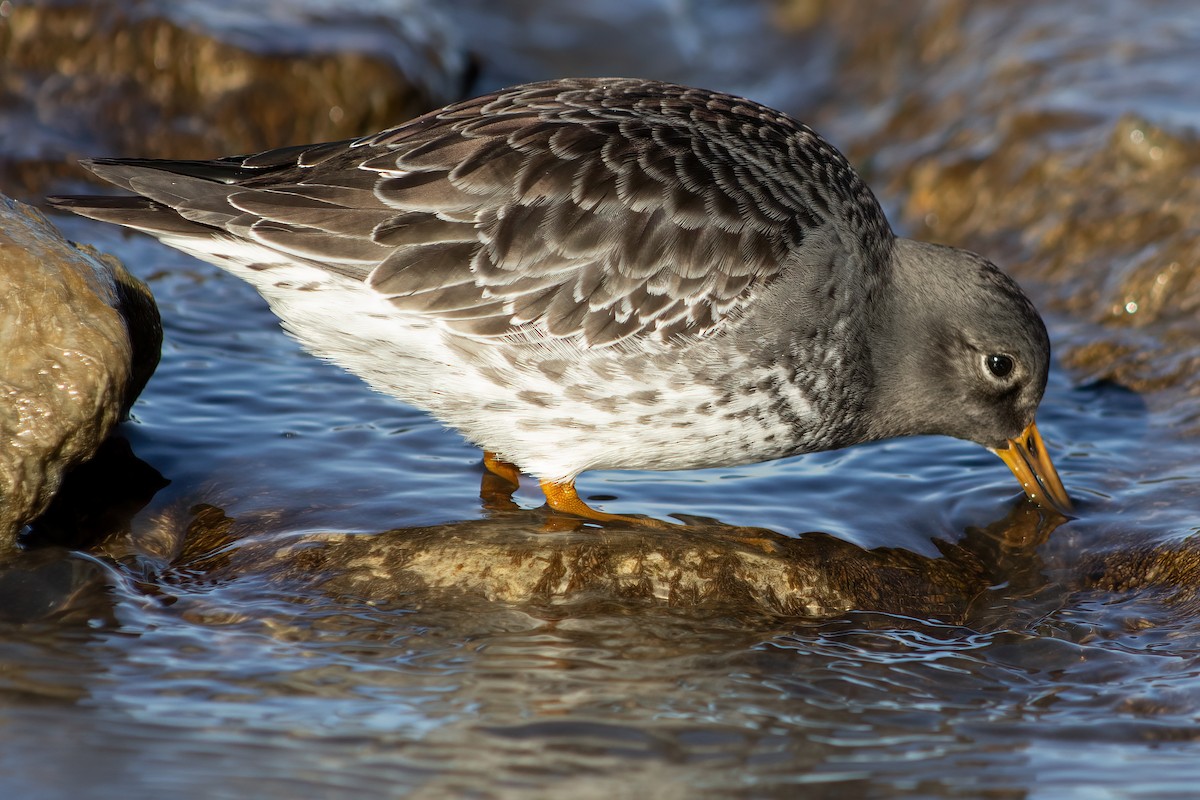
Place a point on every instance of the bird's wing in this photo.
(599, 210)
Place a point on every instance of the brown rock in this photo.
(534, 558)
(81, 338)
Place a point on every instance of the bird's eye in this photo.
(999, 365)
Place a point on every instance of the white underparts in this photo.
(552, 407)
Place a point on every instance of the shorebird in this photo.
(614, 274)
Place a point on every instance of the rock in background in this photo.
(165, 79)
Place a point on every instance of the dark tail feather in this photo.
(134, 212)
(189, 198)
(119, 170)
(231, 170)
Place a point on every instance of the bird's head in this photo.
(966, 355)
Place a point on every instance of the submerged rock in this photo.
(81, 338)
(535, 562)
(54, 584)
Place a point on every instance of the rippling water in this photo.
(148, 669)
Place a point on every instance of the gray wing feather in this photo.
(597, 210)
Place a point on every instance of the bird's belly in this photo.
(556, 414)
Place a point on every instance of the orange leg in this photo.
(563, 498)
(497, 466)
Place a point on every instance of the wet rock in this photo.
(81, 338)
(194, 80)
(546, 564)
(530, 557)
(97, 500)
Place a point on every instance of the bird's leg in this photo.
(504, 469)
(500, 479)
(562, 497)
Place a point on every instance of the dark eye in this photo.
(999, 365)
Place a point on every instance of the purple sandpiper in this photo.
(614, 274)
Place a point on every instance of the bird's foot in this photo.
(501, 478)
(562, 498)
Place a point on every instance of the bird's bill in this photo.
(1026, 456)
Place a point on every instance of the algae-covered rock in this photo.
(81, 338)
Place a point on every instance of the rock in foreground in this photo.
(81, 338)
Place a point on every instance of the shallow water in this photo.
(150, 667)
